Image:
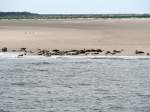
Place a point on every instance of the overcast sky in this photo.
(76, 6)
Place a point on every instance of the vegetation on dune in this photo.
(28, 15)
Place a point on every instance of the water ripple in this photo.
(74, 85)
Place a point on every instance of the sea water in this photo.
(39, 84)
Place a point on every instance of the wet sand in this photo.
(107, 34)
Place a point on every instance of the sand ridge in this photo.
(108, 34)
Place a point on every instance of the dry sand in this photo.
(107, 34)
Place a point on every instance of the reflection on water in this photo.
(74, 85)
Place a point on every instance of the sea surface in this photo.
(74, 84)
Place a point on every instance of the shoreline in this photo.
(15, 55)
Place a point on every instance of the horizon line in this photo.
(70, 13)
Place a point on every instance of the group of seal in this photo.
(44, 52)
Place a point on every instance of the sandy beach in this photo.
(106, 34)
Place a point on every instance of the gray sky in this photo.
(76, 6)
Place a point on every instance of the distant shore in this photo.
(109, 35)
(28, 15)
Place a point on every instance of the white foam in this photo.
(106, 57)
(8, 55)
(14, 55)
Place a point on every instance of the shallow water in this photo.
(74, 85)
